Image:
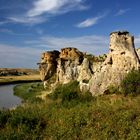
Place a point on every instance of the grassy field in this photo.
(68, 114)
(18, 79)
(25, 75)
(29, 91)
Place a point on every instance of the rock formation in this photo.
(138, 52)
(70, 64)
(95, 74)
(121, 59)
(48, 64)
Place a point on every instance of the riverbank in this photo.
(29, 91)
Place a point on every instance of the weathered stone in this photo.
(68, 64)
(48, 64)
(138, 52)
(71, 53)
(121, 59)
(85, 70)
(93, 73)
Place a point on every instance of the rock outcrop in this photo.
(69, 64)
(48, 64)
(138, 52)
(95, 74)
(121, 59)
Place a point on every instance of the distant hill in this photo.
(17, 71)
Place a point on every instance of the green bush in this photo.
(112, 90)
(4, 116)
(131, 83)
(29, 91)
(66, 92)
(70, 94)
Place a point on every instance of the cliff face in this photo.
(48, 64)
(121, 59)
(68, 64)
(138, 52)
(93, 73)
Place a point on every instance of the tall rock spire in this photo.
(121, 59)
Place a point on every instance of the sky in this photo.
(30, 27)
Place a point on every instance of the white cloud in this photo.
(91, 44)
(90, 21)
(42, 10)
(13, 56)
(27, 20)
(121, 12)
(137, 41)
(55, 7)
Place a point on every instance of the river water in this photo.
(7, 98)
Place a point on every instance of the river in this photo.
(7, 98)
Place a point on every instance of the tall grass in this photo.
(28, 92)
(78, 116)
(131, 83)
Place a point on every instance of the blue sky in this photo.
(30, 27)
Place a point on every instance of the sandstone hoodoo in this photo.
(68, 64)
(121, 59)
(96, 76)
(48, 64)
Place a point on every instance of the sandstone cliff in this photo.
(48, 64)
(121, 59)
(138, 52)
(69, 64)
(95, 74)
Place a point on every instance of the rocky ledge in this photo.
(95, 74)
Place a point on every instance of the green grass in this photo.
(130, 85)
(70, 117)
(28, 91)
(19, 79)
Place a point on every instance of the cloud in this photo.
(90, 21)
(137, 41)
(27, 20)
(91, 44)
(13, 56)
(42, 10)
(121, 12)
(55, 7)
(3, 22)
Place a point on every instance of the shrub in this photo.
(66, 92)
(4, 116)
(70, 94)
(131, 83)
(112, 90)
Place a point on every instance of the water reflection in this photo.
(7, 99)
